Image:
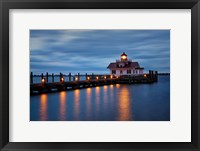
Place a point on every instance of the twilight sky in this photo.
(90, 51)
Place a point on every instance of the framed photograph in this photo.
(104, 87)
(84, 75)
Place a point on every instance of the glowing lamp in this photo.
(88, 78)
(123, 57)
(104, 77)
(62, 79)
(145, 75)
(97, 78)
(76, 79)
(111, 76)
(43, 80)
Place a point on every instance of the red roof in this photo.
(129, 65)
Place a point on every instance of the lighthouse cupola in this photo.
(124, 57)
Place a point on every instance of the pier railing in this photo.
(52, 78)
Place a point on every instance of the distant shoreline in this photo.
(163, 73)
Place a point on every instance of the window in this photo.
(128, 71)
(121, 71)
(113, 71)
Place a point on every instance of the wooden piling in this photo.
(60, 77)
(47, 77)
(78, 76)
(52, 77)
(31, 78)
(43, 80)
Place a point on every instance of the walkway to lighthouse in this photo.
(91, 81)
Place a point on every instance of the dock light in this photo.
(62, 79)
(104, 77)
(111, 76)
(76, 79)
(43, 80)
(97, 78)
(145, 75)
(88, 78)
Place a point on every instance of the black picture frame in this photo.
(5, 5)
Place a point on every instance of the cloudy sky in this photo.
(90, 51)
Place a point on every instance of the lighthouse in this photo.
(124, 66)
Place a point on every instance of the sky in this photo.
(91, 51)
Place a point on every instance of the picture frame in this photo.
(6, 5)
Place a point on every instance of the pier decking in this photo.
(90, 81)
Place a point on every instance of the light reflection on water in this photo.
(76, 103)
(97, 98)
(105, 96)
(88, 100)
(62, 109)
(142, 102)
(124, 104)
(43, 107)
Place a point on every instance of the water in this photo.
(120, 102)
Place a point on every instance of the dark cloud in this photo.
(92, 50)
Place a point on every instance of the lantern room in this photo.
(124, 57)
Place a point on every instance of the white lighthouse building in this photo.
(125, 67)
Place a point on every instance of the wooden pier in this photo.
(74, 82)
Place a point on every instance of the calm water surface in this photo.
(120, 102)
